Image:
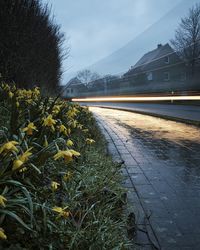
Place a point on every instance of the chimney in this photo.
(159, 45)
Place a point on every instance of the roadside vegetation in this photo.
(58, 188)
(31, 45)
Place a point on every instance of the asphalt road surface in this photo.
(184, 112)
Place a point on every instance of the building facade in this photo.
(159, 66)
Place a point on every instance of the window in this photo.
(166, 76)
(72, 90)
(149, 76)
(166, 59)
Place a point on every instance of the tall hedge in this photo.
(30, 44)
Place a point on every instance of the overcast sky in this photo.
(96, 28)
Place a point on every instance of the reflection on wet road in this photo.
(163, 162)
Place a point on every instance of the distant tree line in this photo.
(30, 44)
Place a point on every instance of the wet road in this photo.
(182, 112)
(162, 162)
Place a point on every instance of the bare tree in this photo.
(86, 76)
(187, 37)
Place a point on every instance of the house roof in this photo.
(74, 82)
(155, 54)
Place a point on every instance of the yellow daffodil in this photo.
(21, 159)
(49, 122)
(65, 154)
(2, 201)
(75, 153)
(36, 91)
(25, 156)
(80, 126)
(46, 144)
(17, 104)
(63, 129)
(29, 101)
(56, 109)
(2, 234)
(57, 209)
(69, 131)
(30, 128)
(69, 143)
(6, 87)
(22, 170)
(74, 123)
(61, 212)
(67, 176)
(72, 112)
(10, 94)
(9, 147)
(54, 185)
(90, 141)
(17, 164)
(85, 130)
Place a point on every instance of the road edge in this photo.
(166, 117)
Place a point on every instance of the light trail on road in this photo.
(142, 99)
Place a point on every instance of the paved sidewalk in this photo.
(165, 198)
(118, 148)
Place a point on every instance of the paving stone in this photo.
(146, 191)
(123, 151)
(127, 183)
(128, 160)
(124, 171)
(141, 238)
(134, 170)
(148, 234)
(139, 179)
(162, 186)
(153, 174)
